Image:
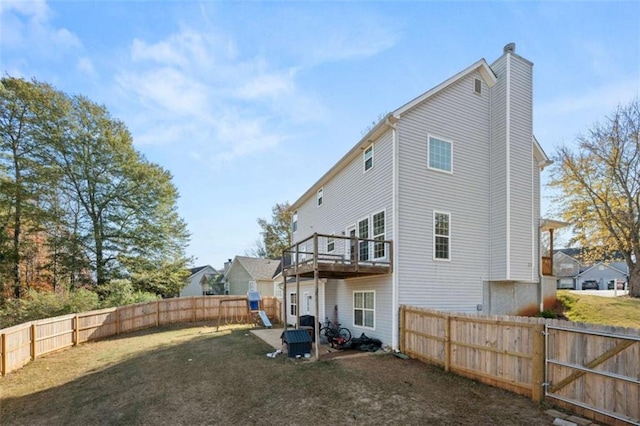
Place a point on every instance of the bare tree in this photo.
(599, 185)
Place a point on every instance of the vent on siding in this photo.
(477, 86)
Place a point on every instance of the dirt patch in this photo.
(197, 376)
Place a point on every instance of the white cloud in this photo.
(192, 89)
(86, 66)
(26, 24)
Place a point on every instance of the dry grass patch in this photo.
(176, 375)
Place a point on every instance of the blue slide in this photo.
(265, 319)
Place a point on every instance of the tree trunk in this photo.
(17, 223)
(634, 279)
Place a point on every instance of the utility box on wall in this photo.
(298, 342)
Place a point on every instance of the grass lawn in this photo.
(178, 375)
(616, 311)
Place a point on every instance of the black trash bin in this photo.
(308, 322)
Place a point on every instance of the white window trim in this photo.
(474, 86)
(429, 136)
(353, 307)
(373, 237)
(368, 219)
(320, 197)
(364, 158)
(294, 223)
(433, 221)
(331, 240)
(291, 304)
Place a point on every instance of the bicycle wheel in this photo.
(323, 331)
(345, 334)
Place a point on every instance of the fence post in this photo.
(117, 321)
(33, 342)
(537, 364)
(3, 348)
(402, 328)
(447, 343)
(76, 330)
(194, 306)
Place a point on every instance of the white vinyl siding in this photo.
(440, 154)
(364, 309)
(455, 114)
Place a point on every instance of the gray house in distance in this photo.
(437, 206)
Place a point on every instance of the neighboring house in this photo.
(201, 282)
(437, 206)
(250, 273)
(571, 272)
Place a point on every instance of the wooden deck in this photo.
(338, 257)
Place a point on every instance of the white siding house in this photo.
(451, 180)
(197, 281)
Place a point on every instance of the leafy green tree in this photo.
(276, 234)
(599, 187)
(30, 114)
(127, 205)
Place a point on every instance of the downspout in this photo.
(487, 306)
(395, 308)
(508, 165)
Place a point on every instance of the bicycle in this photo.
(335, 334)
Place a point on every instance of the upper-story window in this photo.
(368, 158)
(439, 154)
(441, 236)
(294, 221)
(319, 196)
(477, 86)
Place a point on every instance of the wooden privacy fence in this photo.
(22, 343)
(535, 357)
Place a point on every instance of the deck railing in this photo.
(319, 249)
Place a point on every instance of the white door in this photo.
(350, 245)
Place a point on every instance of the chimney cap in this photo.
(510, 48)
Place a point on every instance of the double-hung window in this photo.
(378, 236)
(440, 154)
(331, 244)
(441, 236)
(368, 158)
(319, 196)
(294, 221)
(364, 303)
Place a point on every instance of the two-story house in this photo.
(437, 206)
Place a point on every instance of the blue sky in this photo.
(249, 103)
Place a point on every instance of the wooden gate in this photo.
(594, 371)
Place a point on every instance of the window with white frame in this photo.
(363, 233)
(379, 236)
(364, 304)
(253, 286)
(368, 158)
(441, 236)
(293, 304)
(477, 86)
(294, 221)
(439, 154)
(319, 196)
(331, 244)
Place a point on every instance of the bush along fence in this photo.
(23, 343)
(589, 369)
